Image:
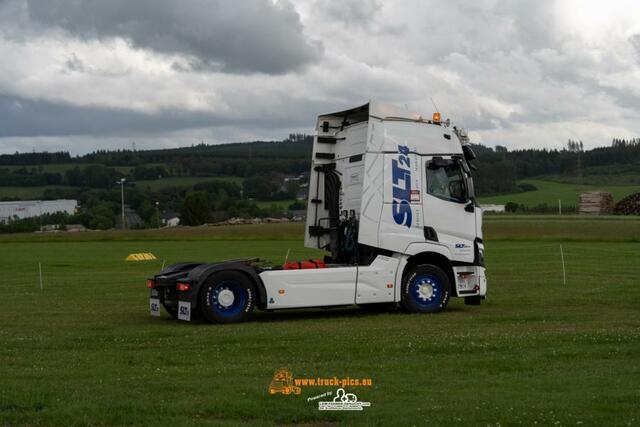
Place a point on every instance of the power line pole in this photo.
(121, 182)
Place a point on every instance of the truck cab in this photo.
(391, 201)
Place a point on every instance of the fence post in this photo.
(564, 271)
(40, 270)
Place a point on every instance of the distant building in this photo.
(34, 208)
(301, 179)
(493, 208)
(298, 214)
(131, 218)
(170, 219)
(303, 192)
(60, 227)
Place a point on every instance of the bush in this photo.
(511, 207)
(525, 186)
(297, 205)
(195, 209)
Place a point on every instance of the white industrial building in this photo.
(493, 208)
(33, 208)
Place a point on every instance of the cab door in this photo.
(448, 209)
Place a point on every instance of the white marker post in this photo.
(564, 272)
(40, 270)
(559, 207)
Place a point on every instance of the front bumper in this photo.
(470, 280)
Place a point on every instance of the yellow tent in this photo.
(142, 256)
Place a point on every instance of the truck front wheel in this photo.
(227, 297)
(425, 289)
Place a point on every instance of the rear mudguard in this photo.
(199, 274)
(174, 268)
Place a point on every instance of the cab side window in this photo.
(447, 183)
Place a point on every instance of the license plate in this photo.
(467, 282)
(154, 307)
(184, 310)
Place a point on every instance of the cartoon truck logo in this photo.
(282, 382)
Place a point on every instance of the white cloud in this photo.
(516, 73)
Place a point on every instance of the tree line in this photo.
(265, 163)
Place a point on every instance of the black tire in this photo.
(227, 297)
(425, 289)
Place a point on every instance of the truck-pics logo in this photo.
(401, 175)
(282, 382)
(343, 401)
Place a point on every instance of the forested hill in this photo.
(296, 146)
(498, 169)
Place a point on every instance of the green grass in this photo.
(83, 351)
(63, 167)
(283, 204)
(550, 192)
(28, 193)
(182, 181)
(612, 174)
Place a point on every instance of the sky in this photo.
(81, 75)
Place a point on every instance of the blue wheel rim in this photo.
(426, 290)
(239, 298)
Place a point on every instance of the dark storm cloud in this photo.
(22, 117)
(518, 73)
(28, 117)
(242, 37)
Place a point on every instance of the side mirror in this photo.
(469, 155)
(471, 192)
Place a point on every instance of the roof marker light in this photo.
(436, 117)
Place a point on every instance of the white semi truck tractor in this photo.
(391, 199)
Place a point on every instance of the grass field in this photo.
(284, 204)
(612, 174)
(183, 181)
(550, 192)
(28, 193)
(31, 193)
(83, 350)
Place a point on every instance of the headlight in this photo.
(479, 255)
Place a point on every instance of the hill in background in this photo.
(264, 178)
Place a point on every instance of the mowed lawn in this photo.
(84, 351)
(550, 192)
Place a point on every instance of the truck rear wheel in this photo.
(425, 289)
(227, 297)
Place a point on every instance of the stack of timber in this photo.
(630, 205)
(596, 203)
